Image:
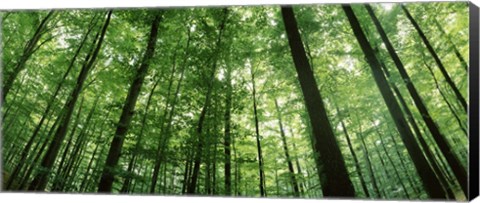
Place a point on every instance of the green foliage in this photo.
(254, 39)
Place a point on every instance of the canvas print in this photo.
(364, 101)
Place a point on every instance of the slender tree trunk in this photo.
(29, 49)
(77, 151)
(424, 145)
(59, 173)
(299, 168)
(128, 110)
(198, 155)
(131, 166)
(39, 152)
(430, 181)
(369, 166)
(383, 176)
(444, 97)
(455, 50)
(259, 146)
(296, 189)
(40, 181)
(354, 155)
(331, 167)
(404, 166)
(237, 169)
(186, 175)
(163, 143)
(89, 166)
(382, 144)
(454, 162)
(50, 103)
(448, 79)
(227, 134)
(15, 97)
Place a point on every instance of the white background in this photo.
(74, 198)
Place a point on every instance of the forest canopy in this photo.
(364, 100)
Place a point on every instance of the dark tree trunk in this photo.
(354, 155)
(50, 103)
(445, 74)
(227, 134)
(162, 136)
(444, 97)
(424, 145)
(89, 166)
(332, 171)
(88, 177)
(366, 153)
(131, 166)
(384, 175)
(296, 190)
(163, 142)
(15, 97)
(198, 154)
(186, 174)
(45, 142)
(259, 146)
(431, 183)
(59, 173)
(199, 143)
(75, 156)
(411, 180)
(105, 184)
(397, 174)
(454, 162)
(299, 168)
(29, 49)
(40, 181)
(455, 50)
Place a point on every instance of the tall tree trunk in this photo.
(76, 152)
(131, 166)
(198, 155)
(455, 50)
(331, 167)
(444, 97)
(428, 154)
(50, 103)
(366, 153)
(88, 177)
(163, 142)
(259, 146)
(299, 168)
(296, 189)
(454, 162)
(105, 184)
(29, 49)
(89, 166)
(430, 181)
(237, 174)
(163, 136)
(411, 180)
(15, 97)
(383, 174)
(39, 152)
(397, 174)
(448, 79)
(40, 181)
(59, 173)
(354, 155)
(227, 133)
(188, 166)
